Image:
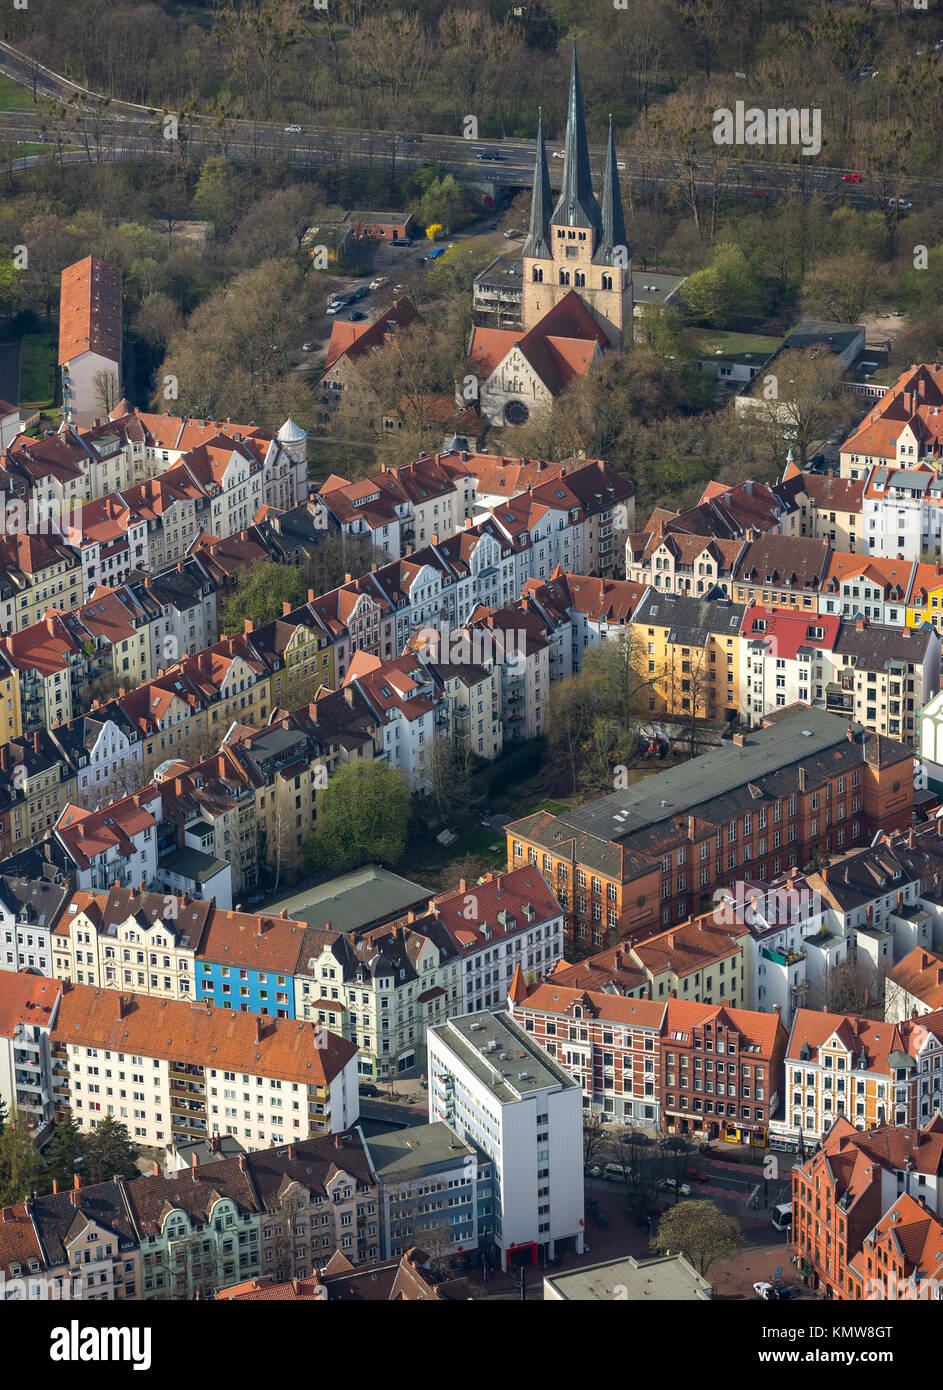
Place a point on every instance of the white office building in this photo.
(500, 1091)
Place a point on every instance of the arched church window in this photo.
(538, 275)
(579, 278)
(607, 282)
(564, 277)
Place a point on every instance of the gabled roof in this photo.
(90, 310)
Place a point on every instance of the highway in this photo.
(111, 129)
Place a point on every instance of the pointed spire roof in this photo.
(518, 991)
(538, 238)
(613, 218)
(577, 206)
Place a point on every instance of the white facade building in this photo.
(493, 1084)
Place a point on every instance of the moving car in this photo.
(558, 154)
(488, 154)
(781, 1216)
(851, 178)
(293, 130)
(412, 139)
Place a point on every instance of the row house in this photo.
(232, 680)
(611, 1044)
(117, 844)
(807, 782)
(30, 908)
(691, 647)
(29, 1006)
(297, 650)
(903, 429)
(902, 1257)
(355, 617)
(828, 508)
(88, 1241)
(925, 597)
(787, 657)
(527, 647)
(844, 1191)
(404, 699)
(468, 704)
(599, 609)
(246, 963)
(42, 572)
(866, 586)
(721, 1071)
(55, 469)
(869, 1072)
(506, 924)
(131, 939)
(914, 986)
(182, 1072)
(901, 512)
(781, 571)
(682, 562)
(36, 784)
(381, 988)
(180, 604)
(113, 542)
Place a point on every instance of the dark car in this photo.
(356, 317)
(359, 294)
(412, 139)
(488, 154)
(366, 1089)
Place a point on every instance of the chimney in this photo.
(462, 885)
(851, 734)
(338, 1141)
(156, 1169)
(55, 1186)
(76, 1181)
(311, 596)
(802, 779)
(122, 1006)
(690, 827)
(259, 1027)
(247, 626)
(51, 625)
(286, 607)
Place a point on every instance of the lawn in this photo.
(37, 370)
(710, 342)
(13, 97)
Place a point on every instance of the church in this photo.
(576, 283)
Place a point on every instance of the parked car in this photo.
(670, 1185)
(397, 289)
(899, 202)
(772, 1292)
(379, 282)
(512, 234)
(851, 178)
(356, 316)
(293, 130)
(367, 1089)
(614, 1172)
(337, 306)
(359, 294)
(402, 241)
(434, 255)
(621, 164)
(307, 347)
(594, 1171)
(635, 1136)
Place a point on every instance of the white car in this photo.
(764, 1290)
(621, 164)
(293, 130)
(558, 154)
(379, 282)
(899, 202)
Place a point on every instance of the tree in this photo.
(109, 1152)
(64, 1153)
(841, 287)
(105, 389)
(259, 594)
(594, 1137)
(572, 705)
(798, 404)
(725, 290)
(19, 1161)
(699, 1230)
(443, 771)
(641, 1170)
(363, 816)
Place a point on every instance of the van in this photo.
(615, 1172)
(781, 1216)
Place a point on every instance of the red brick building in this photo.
(636, 861)
(610, 1043)
(722, 1070)
(842, 1195)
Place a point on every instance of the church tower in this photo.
(580, 247)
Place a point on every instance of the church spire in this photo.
(538, 238)
(577, 206)
(613, 218)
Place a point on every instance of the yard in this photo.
(13, 97)
(37, 370)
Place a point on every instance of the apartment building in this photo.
(493, 1084)
(609, 1043)
(435, 1191)
(30, 909)
(88, 1242)
(693, 654)
(842, 1197)
(902, 430)
(90, 339)
(868, 1072)
(805, 781)
(170, 1070)
(29, 1007)
(721, 1071)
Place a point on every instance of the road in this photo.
(114, 129)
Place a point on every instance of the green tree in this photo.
(65, 1149)
(109, 1152)
(842, 287)
(725, 290)
(363, 816)
(259, 595)
(442, 202)
(699, 1230)
(19, 1161)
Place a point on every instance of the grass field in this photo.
(13, 97)
(37, 370)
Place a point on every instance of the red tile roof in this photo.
(90, 310)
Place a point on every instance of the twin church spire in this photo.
(577, 206)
